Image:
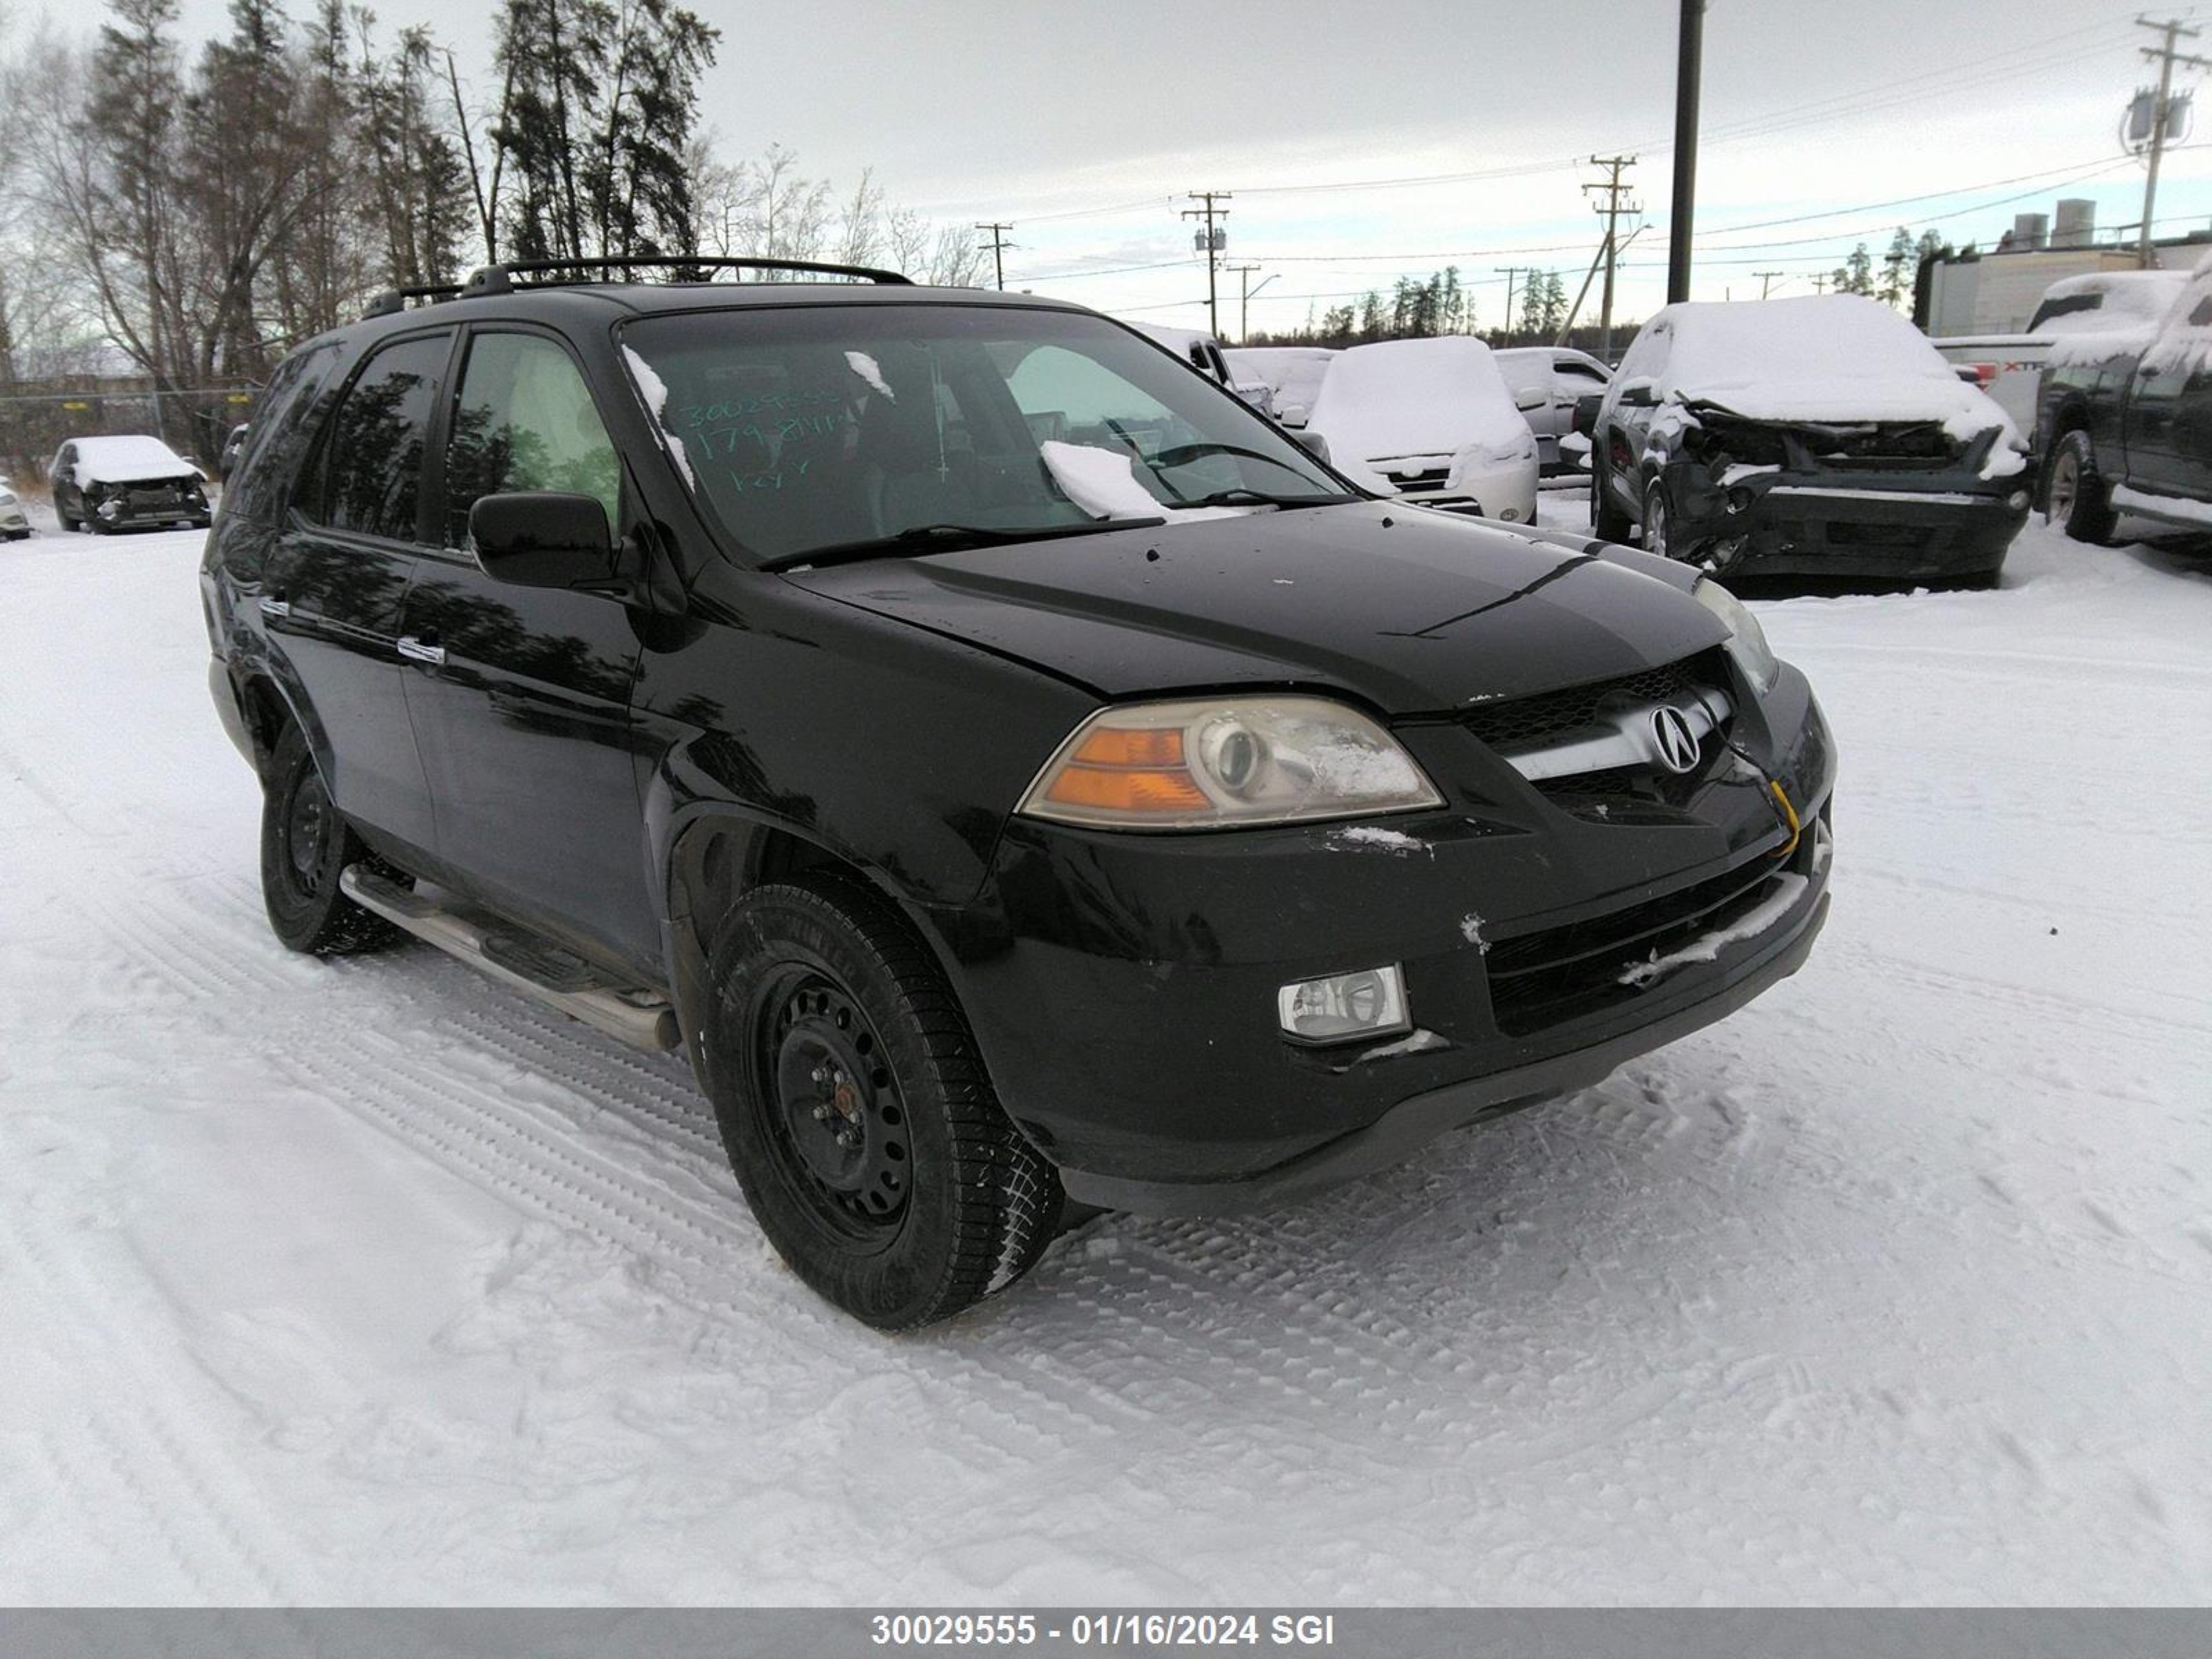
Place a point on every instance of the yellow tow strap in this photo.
(1789, 818)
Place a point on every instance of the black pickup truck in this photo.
(2124, 423)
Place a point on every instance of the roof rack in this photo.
(500, 278)
(394, 300)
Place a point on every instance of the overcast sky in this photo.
(1086, 125)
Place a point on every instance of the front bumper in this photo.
(1124, 992)
(138, 509)
(1929, 524)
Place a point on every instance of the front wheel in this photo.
(2075, 496)
(305, 846)
(857, 1112)
(1607, 522)
(1658, 531)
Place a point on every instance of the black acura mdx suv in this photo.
(1017, 774)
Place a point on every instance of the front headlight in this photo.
(1214, 762)
(1746, 639)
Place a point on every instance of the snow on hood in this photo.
(128, 460)
(1438, 396)
(1831, 357)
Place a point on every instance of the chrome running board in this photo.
(536, 969)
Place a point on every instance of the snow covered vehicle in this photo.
(2010, 367)
(1820, 436)
(1292, 376)
(2124, 421)
(1547, 383)
(104, 485)
(1433, 417)
(1204, 353)
(1011, 770)
(13, 525)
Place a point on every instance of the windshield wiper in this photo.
(949, 539)
(1242, 497)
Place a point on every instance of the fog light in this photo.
(1370, 1002)
(2017, 501)
(1739, 500)
(1510, 514)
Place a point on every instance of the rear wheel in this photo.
(857, 1112)
(2075, 496)
(305, 846)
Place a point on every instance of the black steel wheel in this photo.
(305, 846)
(857, 1112)
(2075, 496)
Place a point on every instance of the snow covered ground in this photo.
(367, 1282)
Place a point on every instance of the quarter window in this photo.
(372, 460)
(524, 421)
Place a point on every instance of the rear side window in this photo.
(370, 473)
(280, 435)
(525, 420)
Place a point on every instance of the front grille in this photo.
(1433, 477)
(1535, 722)
(1541, 979)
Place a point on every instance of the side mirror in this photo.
(1312, 442)
(1586, 408)
(1291, 414)
(543, 538)
(1526, 398)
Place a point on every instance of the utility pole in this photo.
(1681, 223)
(1244, 293)
(998, 245)
(2167, 57)
(1509, 273)
(1767, 280)
(1612, 188)
(1819, 285)
(1213, 242)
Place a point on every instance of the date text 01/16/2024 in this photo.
(1105, 1630)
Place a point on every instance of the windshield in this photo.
(812, 428)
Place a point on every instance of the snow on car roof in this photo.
(121, 459)
(1432, 397)
(1295, 372)
(1820, 357)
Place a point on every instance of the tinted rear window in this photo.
(370, 478)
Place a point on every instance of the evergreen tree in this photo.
(1896, 283)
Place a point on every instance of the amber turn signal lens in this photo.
(1122, 745)
(1127, 789)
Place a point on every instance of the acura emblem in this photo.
(1674, 745)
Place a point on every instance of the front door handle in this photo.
(276, 608)
(416, 650)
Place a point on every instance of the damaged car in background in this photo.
(122, 482)
(1820, 436)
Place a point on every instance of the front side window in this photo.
(809, 427)
(524, 419)
(372, 457)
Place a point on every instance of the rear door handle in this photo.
(276, 608)
(416, 650)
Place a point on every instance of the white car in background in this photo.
(1433, 417)
(13, 526)
(1293, 374)
(1203, 353)
(1548, 381)
(2080, 318)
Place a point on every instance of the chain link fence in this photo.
(37, 417)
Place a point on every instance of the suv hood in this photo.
(1414, 612)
